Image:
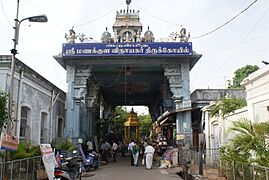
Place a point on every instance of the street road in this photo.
(122, 169)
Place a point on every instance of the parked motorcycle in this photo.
(92, 161)
(70, 169)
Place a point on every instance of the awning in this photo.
(162, 118)
(161, 123)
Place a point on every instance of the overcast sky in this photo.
(243, 41)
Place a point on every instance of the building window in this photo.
(24, 126)
(44, 128)
(60, 127)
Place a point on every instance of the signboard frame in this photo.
(127, 49)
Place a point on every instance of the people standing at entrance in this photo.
(114, 151)
(144, 145)
(135, 153)
(121, 148)
(130, 148)
(149, 151)
(105, 149)
(90, 146)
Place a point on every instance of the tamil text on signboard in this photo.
(127, 49)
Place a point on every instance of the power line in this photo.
(51, 20)
(205, 34)
(221, 26)
(235, 45)
(100, 17)
(239, 45)
(2, 8)
(161, 19)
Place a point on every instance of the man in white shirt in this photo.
(130, 148)
(149, 151)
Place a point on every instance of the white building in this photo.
(257, 89)
(257, 110)
(38, 108)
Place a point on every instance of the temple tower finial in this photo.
(128, 2)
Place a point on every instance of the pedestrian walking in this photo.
(105, 147)
(135, 153)
(114, 151)
(121, 148)
(143, 147)
(149, 152)
(130, 148)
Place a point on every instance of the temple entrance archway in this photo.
(127, 68)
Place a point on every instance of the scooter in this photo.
(70, 168)
(92, 161)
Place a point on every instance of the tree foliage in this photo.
(120, 117)
(250, 145)
(3, 108)
(241, 74)
(227, 105)
(145, 124)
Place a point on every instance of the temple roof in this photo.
(125, 19)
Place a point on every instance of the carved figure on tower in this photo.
(183, 37)
(138, 36)
(116, 36)
(71, 36)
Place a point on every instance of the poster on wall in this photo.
(48, 159)
(8, 142)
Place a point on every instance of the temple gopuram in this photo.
(128, 67)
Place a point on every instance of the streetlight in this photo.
(41, 19)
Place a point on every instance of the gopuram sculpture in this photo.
(106, 37)
(183, 37)
(71, 36)
(148, 36)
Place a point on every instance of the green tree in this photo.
(145, 124)
(119, 119)
(3, 108)
(241, 74)
(227, 105)
(250, 145)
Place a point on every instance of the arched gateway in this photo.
(126, 68)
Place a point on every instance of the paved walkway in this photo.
(122, 169)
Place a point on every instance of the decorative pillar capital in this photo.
(91, 101)
(178, 102)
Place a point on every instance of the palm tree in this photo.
(250, 143)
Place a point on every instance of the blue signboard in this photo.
(127, 49)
